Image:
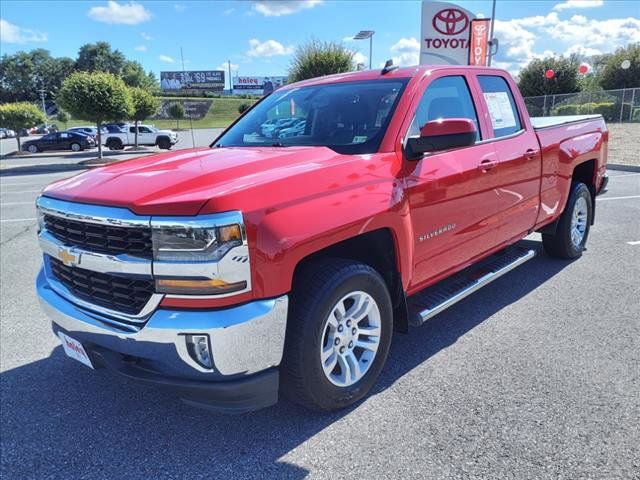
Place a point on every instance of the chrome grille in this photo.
(100, 238)
(125, 294)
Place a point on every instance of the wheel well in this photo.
(585, 173)
(376, 249)
(162, 138)
(112, 140)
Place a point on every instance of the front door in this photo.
(452, 194)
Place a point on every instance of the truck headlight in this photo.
(189, 254)
(194, 244)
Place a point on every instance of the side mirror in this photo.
(442, 134)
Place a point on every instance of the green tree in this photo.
(134, 76)
(96, 97)
(99, 57)
(144, 105)
(176, 112)
(17, 116)
(24, 73)
(316, 59)
(63, 117)
(613, 76)
(533, 81)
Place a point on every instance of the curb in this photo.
(624, 168)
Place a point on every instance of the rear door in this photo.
(519, 156)
(452, 194)
(49, 142)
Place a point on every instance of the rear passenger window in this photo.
(502, 107)
(445, 97)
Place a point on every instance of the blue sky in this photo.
(259, 37)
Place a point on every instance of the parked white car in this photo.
(147, 135)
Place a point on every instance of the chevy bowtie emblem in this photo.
(68, 258)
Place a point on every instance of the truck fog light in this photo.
(199, 349)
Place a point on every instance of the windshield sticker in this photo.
(252, 138)
(500, 110)
(359, 139)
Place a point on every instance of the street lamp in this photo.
(363, 35)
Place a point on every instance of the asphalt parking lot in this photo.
(535, 376)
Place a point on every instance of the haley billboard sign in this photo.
(445, 34)
(211, 80)
(257, 85)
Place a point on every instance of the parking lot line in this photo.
(17, 203)
(22, 191)
(617, 198)
(634, 243)
(11, 220)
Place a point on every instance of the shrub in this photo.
(565, 110)
(243, 107)
(316, 59)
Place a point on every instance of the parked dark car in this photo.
(60, 141)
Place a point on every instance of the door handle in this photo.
(531, 153)
(485, 165)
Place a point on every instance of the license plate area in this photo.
(74, 349)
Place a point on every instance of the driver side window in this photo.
(445, 97)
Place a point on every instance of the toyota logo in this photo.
(450, 21)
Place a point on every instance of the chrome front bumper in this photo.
(245, 339)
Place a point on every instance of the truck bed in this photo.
(539, 123)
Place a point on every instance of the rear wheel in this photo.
(572, 231)
(339, 333)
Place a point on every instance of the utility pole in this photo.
(493, 19)
(230, 78)
(42, 94)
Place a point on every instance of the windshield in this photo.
(350, 118)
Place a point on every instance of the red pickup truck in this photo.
(335, 211)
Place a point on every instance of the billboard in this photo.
(257, 85)
(445, 34)
(479, 43)
(211, 80)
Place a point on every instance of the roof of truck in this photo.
(375, 74)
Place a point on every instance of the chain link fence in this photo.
(619, 106)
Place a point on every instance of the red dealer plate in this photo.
(74, 349)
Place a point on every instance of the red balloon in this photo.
(583, 68)
(549, 74)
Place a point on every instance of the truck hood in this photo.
(183, 182)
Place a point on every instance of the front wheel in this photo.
(164, 143)
(572, 231)
(32, 149)
(339, 333)
(76, 147)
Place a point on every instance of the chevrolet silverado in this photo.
(269, 264)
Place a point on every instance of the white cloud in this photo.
(141, 48)
(406, 52)
(276, 8)
(225, 66)
(518, 37)
(120, 13)
(581, 51)
(358, 58)
(10, 33)
(166, 59)
(146, 36)
(179, 7)
(268, 48)
(229, 11)
(577, 4)
(348, 39)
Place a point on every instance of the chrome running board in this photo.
(450, 291)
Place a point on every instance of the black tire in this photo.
(560, 244)
(114, 144)
(164, 143)
(78, 147)
(318, 289)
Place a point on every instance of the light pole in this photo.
(42, 94)
(363, 35)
